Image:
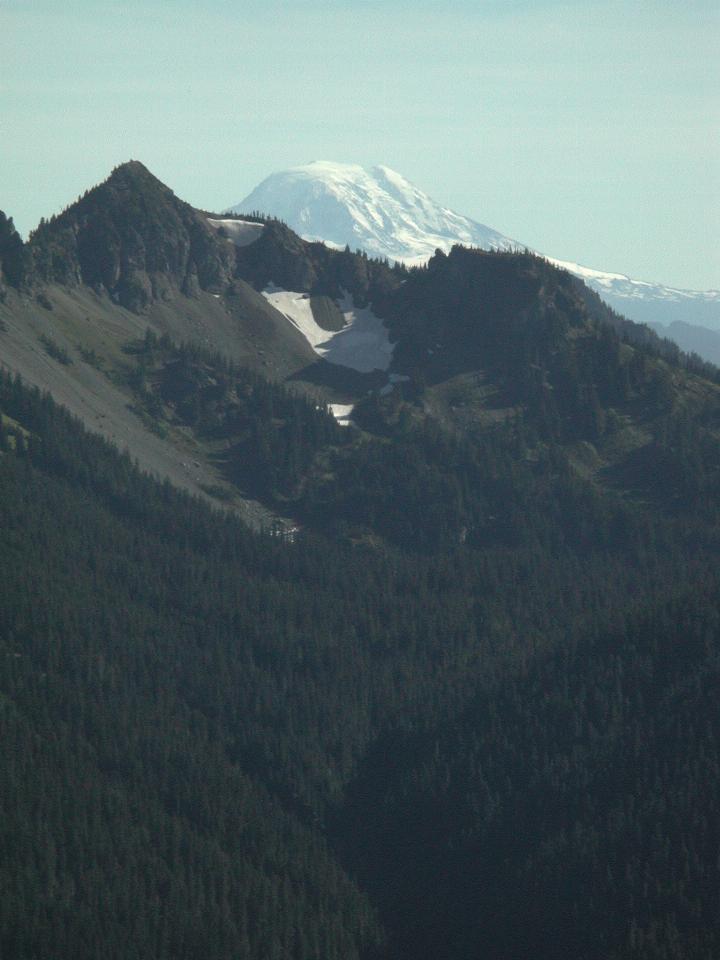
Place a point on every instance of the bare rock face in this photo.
(133, 238)
(279, 256)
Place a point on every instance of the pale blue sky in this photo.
(588, 130)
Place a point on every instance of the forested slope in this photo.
(461, 702)
(221, 744)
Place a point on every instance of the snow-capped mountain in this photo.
(379, 211)
(375, 210)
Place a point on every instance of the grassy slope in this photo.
(92, 333)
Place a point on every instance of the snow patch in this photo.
(296, 307)
(342, 412)
(240, 232)
(362, 344)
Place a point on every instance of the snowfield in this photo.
(362, 344)
(240, 232)
(342, 412)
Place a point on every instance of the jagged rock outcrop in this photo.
(132, 237)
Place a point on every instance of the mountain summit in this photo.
(133, 238)
(380, 211)
(374, 209)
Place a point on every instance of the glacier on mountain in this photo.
(376, 210)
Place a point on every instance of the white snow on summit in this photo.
(376, 210)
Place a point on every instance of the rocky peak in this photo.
(134, 239)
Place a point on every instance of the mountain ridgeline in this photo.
(451, 693)
(132, 238)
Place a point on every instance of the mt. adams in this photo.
(376, 210)
(381, 212)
